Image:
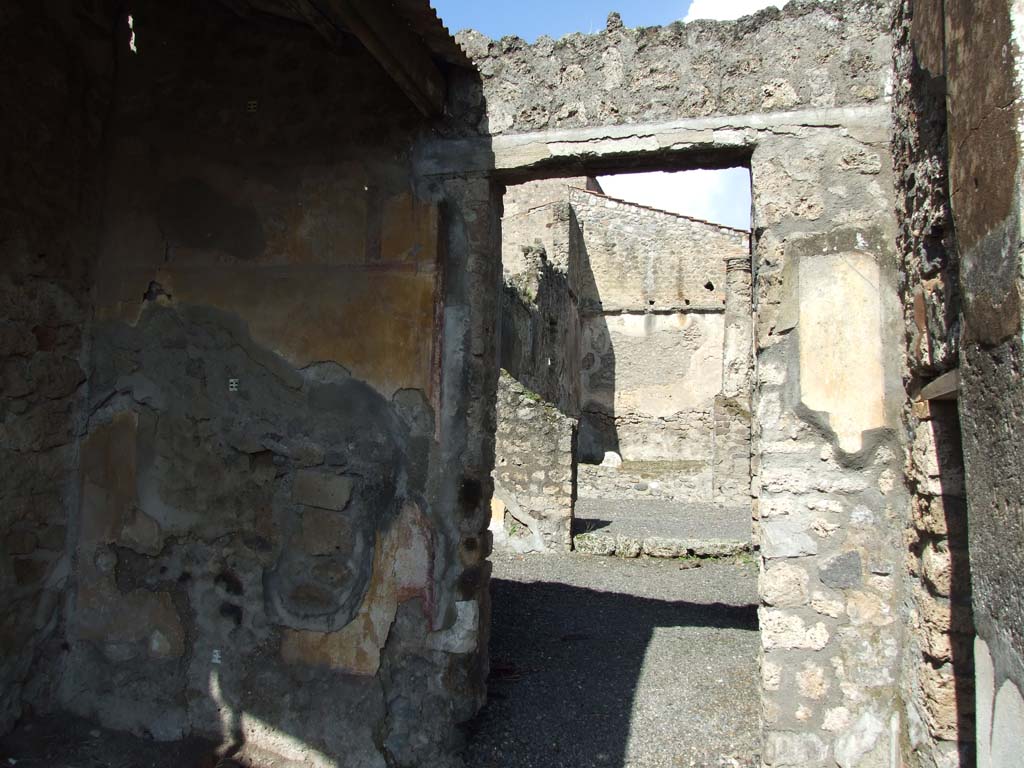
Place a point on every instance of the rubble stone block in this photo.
(319, 489)
(842, 571)
(783, 630)
(781, 538)
(783, 584)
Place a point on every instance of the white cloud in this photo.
(727, 9)
(719, 196)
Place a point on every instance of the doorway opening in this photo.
(626, 357)
(623, 428)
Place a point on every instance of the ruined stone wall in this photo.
(539, 389)
(653, 299)
(533, 472)
(961, 64)
(623, 76)
(530, 214)
(55, 77)
(826, 414)
(985, 66)
(540, 323)
(811, 120)
(959, 71)
(938, 670)
(279, 540)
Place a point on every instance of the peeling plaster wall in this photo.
(274, 475)
(985, 67)
(831, 501)
(938, 675)
(54, 57)
(958, 126)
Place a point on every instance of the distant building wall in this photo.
(637, 322)
(655, 303)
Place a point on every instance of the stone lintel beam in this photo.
(386, 35)
(705, 142)
(944, 387)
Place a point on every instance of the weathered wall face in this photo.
(540, 322)
(533, 472)
(826, 418)
(699, 69)
(826, 409)
(53, 56)
(269, 547)
(960, 67)
(653, 352)
(983, 59)
(938, 670)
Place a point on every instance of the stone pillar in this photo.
(737, 355)
(826, 402)
(731, 481)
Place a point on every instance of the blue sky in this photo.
(531, 18)
(719, 196)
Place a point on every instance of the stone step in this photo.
(661, 528)
(624, 545)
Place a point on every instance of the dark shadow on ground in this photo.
(65, 741)
(588, 524)
(565, 664)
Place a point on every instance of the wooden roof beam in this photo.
(388, 38)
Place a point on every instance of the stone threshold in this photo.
(595, 543)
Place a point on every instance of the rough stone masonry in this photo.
(812, 122)
(250, 276)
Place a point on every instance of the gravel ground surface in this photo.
(641, 518)
(596, 661)
(603, 662)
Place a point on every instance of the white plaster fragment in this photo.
(461, 637)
